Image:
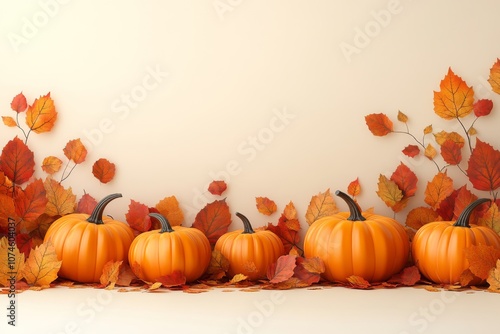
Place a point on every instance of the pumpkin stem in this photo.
(353, 207)
(165, 225)
(96, 216)
(247, 227)
(463, 219)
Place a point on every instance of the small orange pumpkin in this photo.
(162, 252)
(438, 248)
(350, 243)
(250, 252)
(86, 243)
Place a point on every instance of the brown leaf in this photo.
(379, 124)
(61, 201)
(217, 187)
(213, 220)
(42, 265)
(282, 270)
(51, 165)
(320, 206)
(288, 230)
(75, 151)
(103, 170)
(482, 259)
(126, 275)
(218, 266)
(438, 189)
(19, 103)
(9, 268)
(238, 278)
(17, 161)
(455, 99)
(110, 273)
(265, 205)
(169, 207)
(137, 216)
(42, 115)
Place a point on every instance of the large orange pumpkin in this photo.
(85, 243)
(438, 248)
(250, 252)
(350, 243)
(163, 252)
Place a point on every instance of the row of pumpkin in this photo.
(367, 245)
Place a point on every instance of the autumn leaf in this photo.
(409, 276)
(126, 275)
(482, 259)
(137, 216)
(61, 201)
(19, 103)
(463, 199)
(309, 270)
(17, 161)
(282, 270)
(443, 136)
(42, 115)
(494, 78)
(430, 152)
(438, 189)
(169, 207)
(491, 218)
(9, 268)
(265, 205)
(75, 151)
(7, 210)
(428, 129)
(451, 152)
(51, 165)
(24, 242)
(218, 266)
(455, 99)
(420, 216)
(41, 225)
(411, 151)
(110, 273)
(379, 124)
(354, 188)
(405, 179)
(213, 220)
(86, 204)
(484, 167)
(103, 170)
(176, 278)
(358, 282)
(238, 278)
(30, 203)
(388, 191)
(9, 121)
(288, 228)
(494, 278)
(482, 107)
(321, 205)
(217, 187)
(402, 117)
(42, 266)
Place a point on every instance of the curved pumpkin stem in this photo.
(355, 211)
(96, 216)
(463, 219)
(165, 225)
(247, 227)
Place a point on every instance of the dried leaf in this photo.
(491, 218)
(176, 278)
(51, 165)
(86, 204)
(321, 205)
(483, 107)
(213, 220)
(30, 203)
(402, 117)
(408, 277)
(217, 187)
(138, 216)
(110, 273)
(218, 266)
(430, 152)
(411, 151)
(61, 201)
(19, 103)
(7, 210)
(24, 242)
(42, 265)
(428, 129)
(462, 200)
(42, 115)
(354, 188)
(126, 275)
(443, 136)
(451, 152)
(405, 179)
(11, 262)
(282, 270)
(238, 278)
(75, 151)
(482, 259)
(9, 121)
(420, 216)
(455, 99)
(438, 189)
(17, 161)
(309, 270)
(358, 282)
(484, 167)
(379, 124)
(494, 78)
(494, 278)
(388, 191)
(265, 205)
(287, 229)
(103, 170)
(169, 207)
(289, 212)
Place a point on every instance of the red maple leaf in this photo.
(138, 216)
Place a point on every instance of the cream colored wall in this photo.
(270, 95)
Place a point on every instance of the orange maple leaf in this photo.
(42, 265)
(438, 189)
(176, 278)
(19, 103)
(217, 187)
(75, 151)
(42, 115)
(137, 216)
(104, 170)
(491, 218)
(213, 220)
(17, 161)
(321, 205)
(494, 78)
(358, 282)
(484, 167)
(51, 165)
(482, 259)
(265, 205)
(379, 124)
(420, 216)
(308, 270)
(494, 278)
(219, 265)
(463, 198)
(409, 276)
(110, 273)
(86, 204)
(30, 203)
(455, 99)
(7, 210)
(169, 207)
(61, 201)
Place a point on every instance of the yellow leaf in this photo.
(438, 189)
(42, 265)
(238, 278)
(11, 262)
(321, 205)
(388, 191)
(75, 151)
(494, 278)
(170, 209)
(51, 165)
(402, 117)
(154, 286)
(61, 201)
(9, 121)
(494, 78)
(472, 131)
(455, 99)
(442, 136)
(491, 218)
(430, 152)
(42, 115)
(110, 273)
(428, 129)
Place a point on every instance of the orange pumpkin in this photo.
(250, 252)
(85, 243)
(350, 243)
(162, 252)
(438, 248)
